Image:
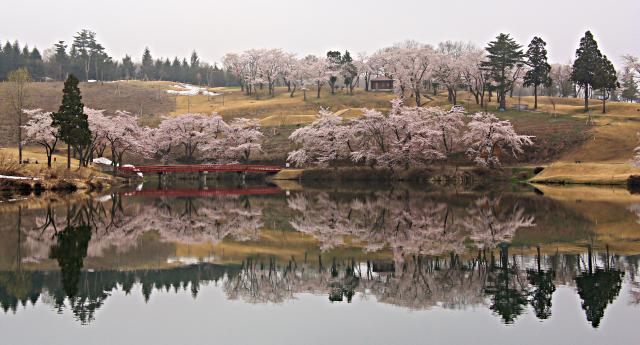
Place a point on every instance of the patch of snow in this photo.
(185, 260)
(132, 166)
(102, 160)
(104, 198)
(191, 90)
(31, 260)
(18, 178)
(91, 81)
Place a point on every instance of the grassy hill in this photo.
(559, 125)
(135, 97)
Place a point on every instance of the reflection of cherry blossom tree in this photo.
(412, 226)
(121, 226)
(489, 224)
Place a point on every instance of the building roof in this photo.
(381, 79)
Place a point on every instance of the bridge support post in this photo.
(202, 179)
(162, 180)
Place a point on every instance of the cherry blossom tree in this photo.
(322, 142)
(99, 124)
(242, 137)
(236, 65)
(476, 78)
(158, 142)
(193, 131)
(365, 67)
(318, 72)
(38, 130)
(124, 135)
(407, 136)
(487, 135)
(271, 67)
(291, 72)
(409, 64)
(448, 69)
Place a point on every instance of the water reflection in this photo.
(417, 250)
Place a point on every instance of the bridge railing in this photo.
(197, 168)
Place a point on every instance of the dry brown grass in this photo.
(146, 98)
(9, 164)
(37, 153)
(57, 171)
(586, 173)
(281, 108)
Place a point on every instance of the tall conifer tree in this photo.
(538, 75)
(70, 119)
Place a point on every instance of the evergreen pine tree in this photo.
(588, 58)
(539, 73)
(70, 119)
(606, 79)
(504, 54)
(147, 64)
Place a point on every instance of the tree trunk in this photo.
(604, 100)
(535, 97)
(68, 156)
(586, 98)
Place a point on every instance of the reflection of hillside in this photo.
(47, 286)
(137, 232)
(409, 248)
(607, 209)
(498, 279)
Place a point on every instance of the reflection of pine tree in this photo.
(345, 286)
(597, 289)
(543, 292)
(70, 251)
(507, 300)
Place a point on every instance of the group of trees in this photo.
(407, 136)
(88, 59)
(256, 68)
(89, 132)
(593, 71)
(13, 57)
(415, 68)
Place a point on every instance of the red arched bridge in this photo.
(199, 168)
(203, 192)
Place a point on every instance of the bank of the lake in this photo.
(29, 179)
(437, 175)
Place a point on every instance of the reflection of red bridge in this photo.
(203, 192)
(199, 168)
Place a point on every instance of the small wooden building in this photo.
(381, 84)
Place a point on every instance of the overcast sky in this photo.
(213, 28)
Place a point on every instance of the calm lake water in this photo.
(267, 264)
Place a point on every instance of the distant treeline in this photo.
(87, 59)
